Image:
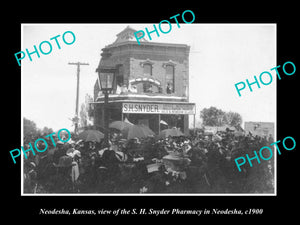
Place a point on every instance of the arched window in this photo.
(170, 81)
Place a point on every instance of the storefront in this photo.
(157, 114)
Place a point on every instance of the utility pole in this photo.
(78, 64)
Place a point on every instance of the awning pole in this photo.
(158, 123)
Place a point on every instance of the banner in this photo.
(155, 108)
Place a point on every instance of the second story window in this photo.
(120, 75)
(170, 79)
(147, 69)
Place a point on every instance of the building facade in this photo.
(263, 129)
(151, 84)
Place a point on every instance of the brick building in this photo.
(151, 85)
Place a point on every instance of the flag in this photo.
(163, 122)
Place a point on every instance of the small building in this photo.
(151, 85)
(263, 129)
(215, 129)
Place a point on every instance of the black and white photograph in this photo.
(146, 112)
(129, 109)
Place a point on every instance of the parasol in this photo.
(137, 131)
(119, 125)
(91, 135)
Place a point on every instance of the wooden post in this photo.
(78, 64)
(106, 119)
(158, 123)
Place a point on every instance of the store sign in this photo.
(159, 108)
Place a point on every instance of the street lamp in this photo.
(106, 78)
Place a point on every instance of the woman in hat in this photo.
(62, 182)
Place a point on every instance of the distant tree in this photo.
(212, 116)
(83, 115)
(29, 128)
(233, 119)
(46, 131)
(30, 131)
(216, 117)
(85, 111)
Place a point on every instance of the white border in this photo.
(22, 130)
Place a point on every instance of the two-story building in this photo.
(151, 85)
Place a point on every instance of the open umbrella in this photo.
(173, 132)
(91, 135)
(137, 131)
(119, 125)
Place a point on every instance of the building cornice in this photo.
(159, 44)
(142, 97)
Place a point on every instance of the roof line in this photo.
(147, 43)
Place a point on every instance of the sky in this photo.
(221, 55)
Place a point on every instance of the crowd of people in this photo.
(198, 163)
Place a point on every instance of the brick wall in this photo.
(132, 56)
(159, 73)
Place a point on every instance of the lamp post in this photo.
(106, 78)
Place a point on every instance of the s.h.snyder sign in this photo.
(156, 108)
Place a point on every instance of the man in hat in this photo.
(108, 171)
(59, 151)
(44, 166)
